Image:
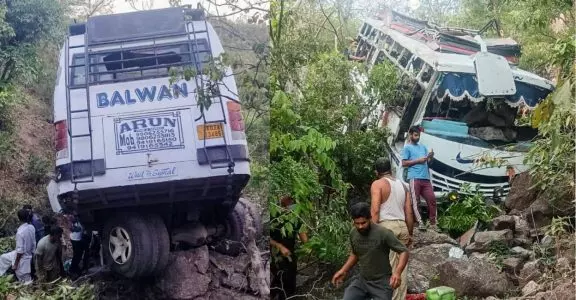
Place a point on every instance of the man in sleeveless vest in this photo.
(391, 207)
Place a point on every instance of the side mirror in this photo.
(493, 73)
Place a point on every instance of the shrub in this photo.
(37, 169)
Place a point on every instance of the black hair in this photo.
(382, 165)
(414, 129)
(24, 216)
(55, 230)
(360, 210)
(27, 206)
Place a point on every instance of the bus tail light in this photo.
(235, 116)
(61, 139)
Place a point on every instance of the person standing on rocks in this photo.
(391, 207)
(80, 246)
(416, 158)
(36, 222)
(48, 256)
(20, 259)
(283, 267)
(370, 248)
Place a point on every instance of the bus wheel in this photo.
(128, 245)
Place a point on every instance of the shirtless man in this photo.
(391, 207)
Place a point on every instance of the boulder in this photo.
(531, 271)
(520, 196)
(422, 266)
(185, 276)
(521, 227)
(530, 289)
(473, 277)
(563, 265)
(503, 222)
(513, 264)
(227, 294)
(521, 252)
(486, 237)
(541, 211)
(431, 237)
(564, 290)
(476, 247)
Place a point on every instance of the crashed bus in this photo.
(440, 74)
(137, 158)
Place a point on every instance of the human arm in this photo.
(375, 202)
(303, 237)
(280, 247)
(19, 250)
(408, 159)
(341, 274)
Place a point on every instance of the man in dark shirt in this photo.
(371, 245)
(284, 264)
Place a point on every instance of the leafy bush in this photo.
(462, 214)
(37, 169)
(6, 148)
(60, 291)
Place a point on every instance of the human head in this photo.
(27, 206)
(382, 166)
(24, 216)
(414, 133)
(55, 234)
(360, 213)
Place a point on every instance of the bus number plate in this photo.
(212, 131)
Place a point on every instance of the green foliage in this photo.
(24, 25)
(59, 291)
(7, 244)
(462, 214)
(37, 169)
(497, 252)
(382, 84)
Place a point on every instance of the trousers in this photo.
(361, 289)
(401, 232)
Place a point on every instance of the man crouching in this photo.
(371, 245)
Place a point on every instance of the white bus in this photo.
(439, 74)
(136, 158)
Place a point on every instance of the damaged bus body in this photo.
(137, 159)
(440, 71)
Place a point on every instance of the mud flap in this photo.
(53, 191)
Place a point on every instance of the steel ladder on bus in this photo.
(195, 57)
(72, 113)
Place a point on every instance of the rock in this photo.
(547, 241)
(430, 237)
(229, 264)
(475, 247)
(530, 289)
(183, 278)
(513, 264)
(563, 265)
(503, 222)
(465, 239)
(520, 196)
(422, 266)
(477, 255)
(486, 237)
(530, 271)
(522, 242)
(227, 294)
(521, 227)
(236, 281)
(491, 298)
(541, 212)
(473, 277)
(521, 252)
(563, 291)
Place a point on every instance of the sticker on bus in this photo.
(146, 133)
(151, 173)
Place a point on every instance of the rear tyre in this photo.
(127, 245)
(237, 220)
(162, 240)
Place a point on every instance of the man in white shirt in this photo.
(20, 259)
(391, 207)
